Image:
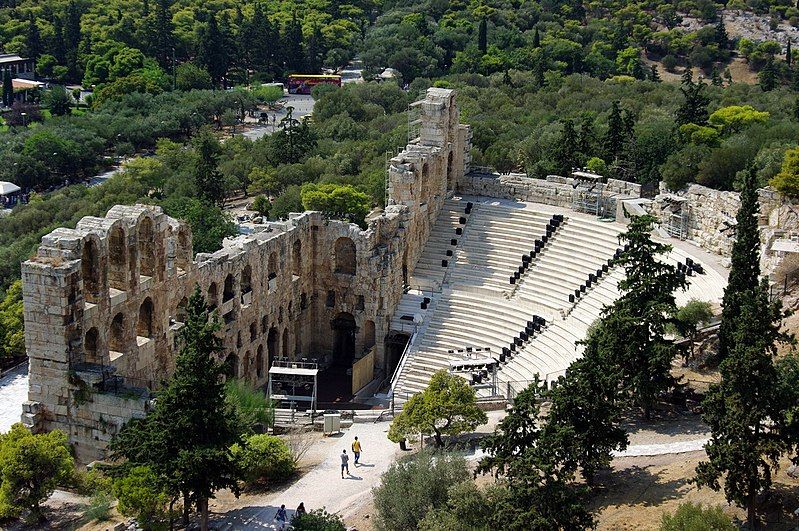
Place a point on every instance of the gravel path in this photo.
(322, 486)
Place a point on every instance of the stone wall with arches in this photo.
(105, 302)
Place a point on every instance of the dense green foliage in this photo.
(448, 406)
(31, 466)
(318, 520)
(414, 486)
(252, 407)
(691, 517)
(264, 458)
(186, 439)
(140, 494)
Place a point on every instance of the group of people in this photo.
(282, 516)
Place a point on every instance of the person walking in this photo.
(280, 517)
(356, 450)
(345, 459)
(299, 512)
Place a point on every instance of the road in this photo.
(303, 106)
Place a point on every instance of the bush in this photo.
(99, 507)
(318, 520)
(264, 458)
(140, 495)
(91, 482)
(415, 486)
(691, 517)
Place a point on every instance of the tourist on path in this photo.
(356, 450)
(345, 459)
(299, 512)
(281, 517)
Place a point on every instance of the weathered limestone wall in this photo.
(104, 302)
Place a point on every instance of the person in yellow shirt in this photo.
(356, 449)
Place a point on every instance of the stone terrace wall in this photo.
(104, 302)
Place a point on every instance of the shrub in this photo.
(692, 517)
(318, 520)
(99, 507)
(264, 458)
(140, 495)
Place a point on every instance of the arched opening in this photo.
(285, 343)
(264, 324)
(90, 269)
(272, 267)
(368, 335)
(181, 313)
(345, 256)
(450, 173)
(232, 365)
(117, 260)
(247, 365)
(253, 331)
(259, 362)
(405, 266)
(91, 346)
(116, 339)
(271, 345)
(227, 294)
(144, 326)
(184, 252)
(246, 279)
(296, 258)
(213, 297)
(146, 236)
(344, 330)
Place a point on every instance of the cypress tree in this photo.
(536, 39)
(788, 54)
(796, 109)
(211, 52)
(294, 55)
(33, 39)
(654, 75)
(315, 50)
(614, 136)
(207, 177)
(745, 262)
(163, 35)
(746, 411)
(694, 108)
(715, 77)
(768, 76)
(566, 154)
(587, 139)
(482, 36)
(721, 34)
(8, 88)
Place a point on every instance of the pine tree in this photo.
(746, 411)
(482, 36)
(8, 88)
(694, 108)
(294, 55)
(638, 71)
(721, 34)
(163, 42)
(536, 39)
(638, 319)
(614, 136)
(687, 77)
(745, 262)
(33, 39)
(567, 149)
(186, 439)
(654, 75)
(587, 139)
(715, 77)
(768, 76)
(208, 180)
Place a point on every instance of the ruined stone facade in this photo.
(104, 302)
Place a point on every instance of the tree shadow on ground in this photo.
(65, 516)
(688, 424)
(633, 486)
(252, 517)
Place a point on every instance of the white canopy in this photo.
(7, 188)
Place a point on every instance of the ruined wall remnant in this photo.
(104, 303)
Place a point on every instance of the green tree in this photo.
(768, 76)
(31, 466)
(638, 319)
(468, 507)
(745, 262)
(734, 118)
(337, 201)
(745, 411)
(416, 485)
(207, 177)
(689, 317)
(654, 75)
(715, 77)
(694, 109)
(163, 39)
(12, 329)
(186, 439)
(692, 517)
(251, 405)
(566, 155)
(209, 223)
(292, 142)
(34, 47)
(614, 137)
(536, 39)
(447, 406)
(140, 495)
(8, 88)
(787, 180)
(211, 51)
(482, 36)
(261, 204)
(58, 100)
(189, 76)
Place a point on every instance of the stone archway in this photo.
(344, 330)
(271, 346)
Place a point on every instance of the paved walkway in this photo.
(678, 447)
(13, 392)
(322, 486)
